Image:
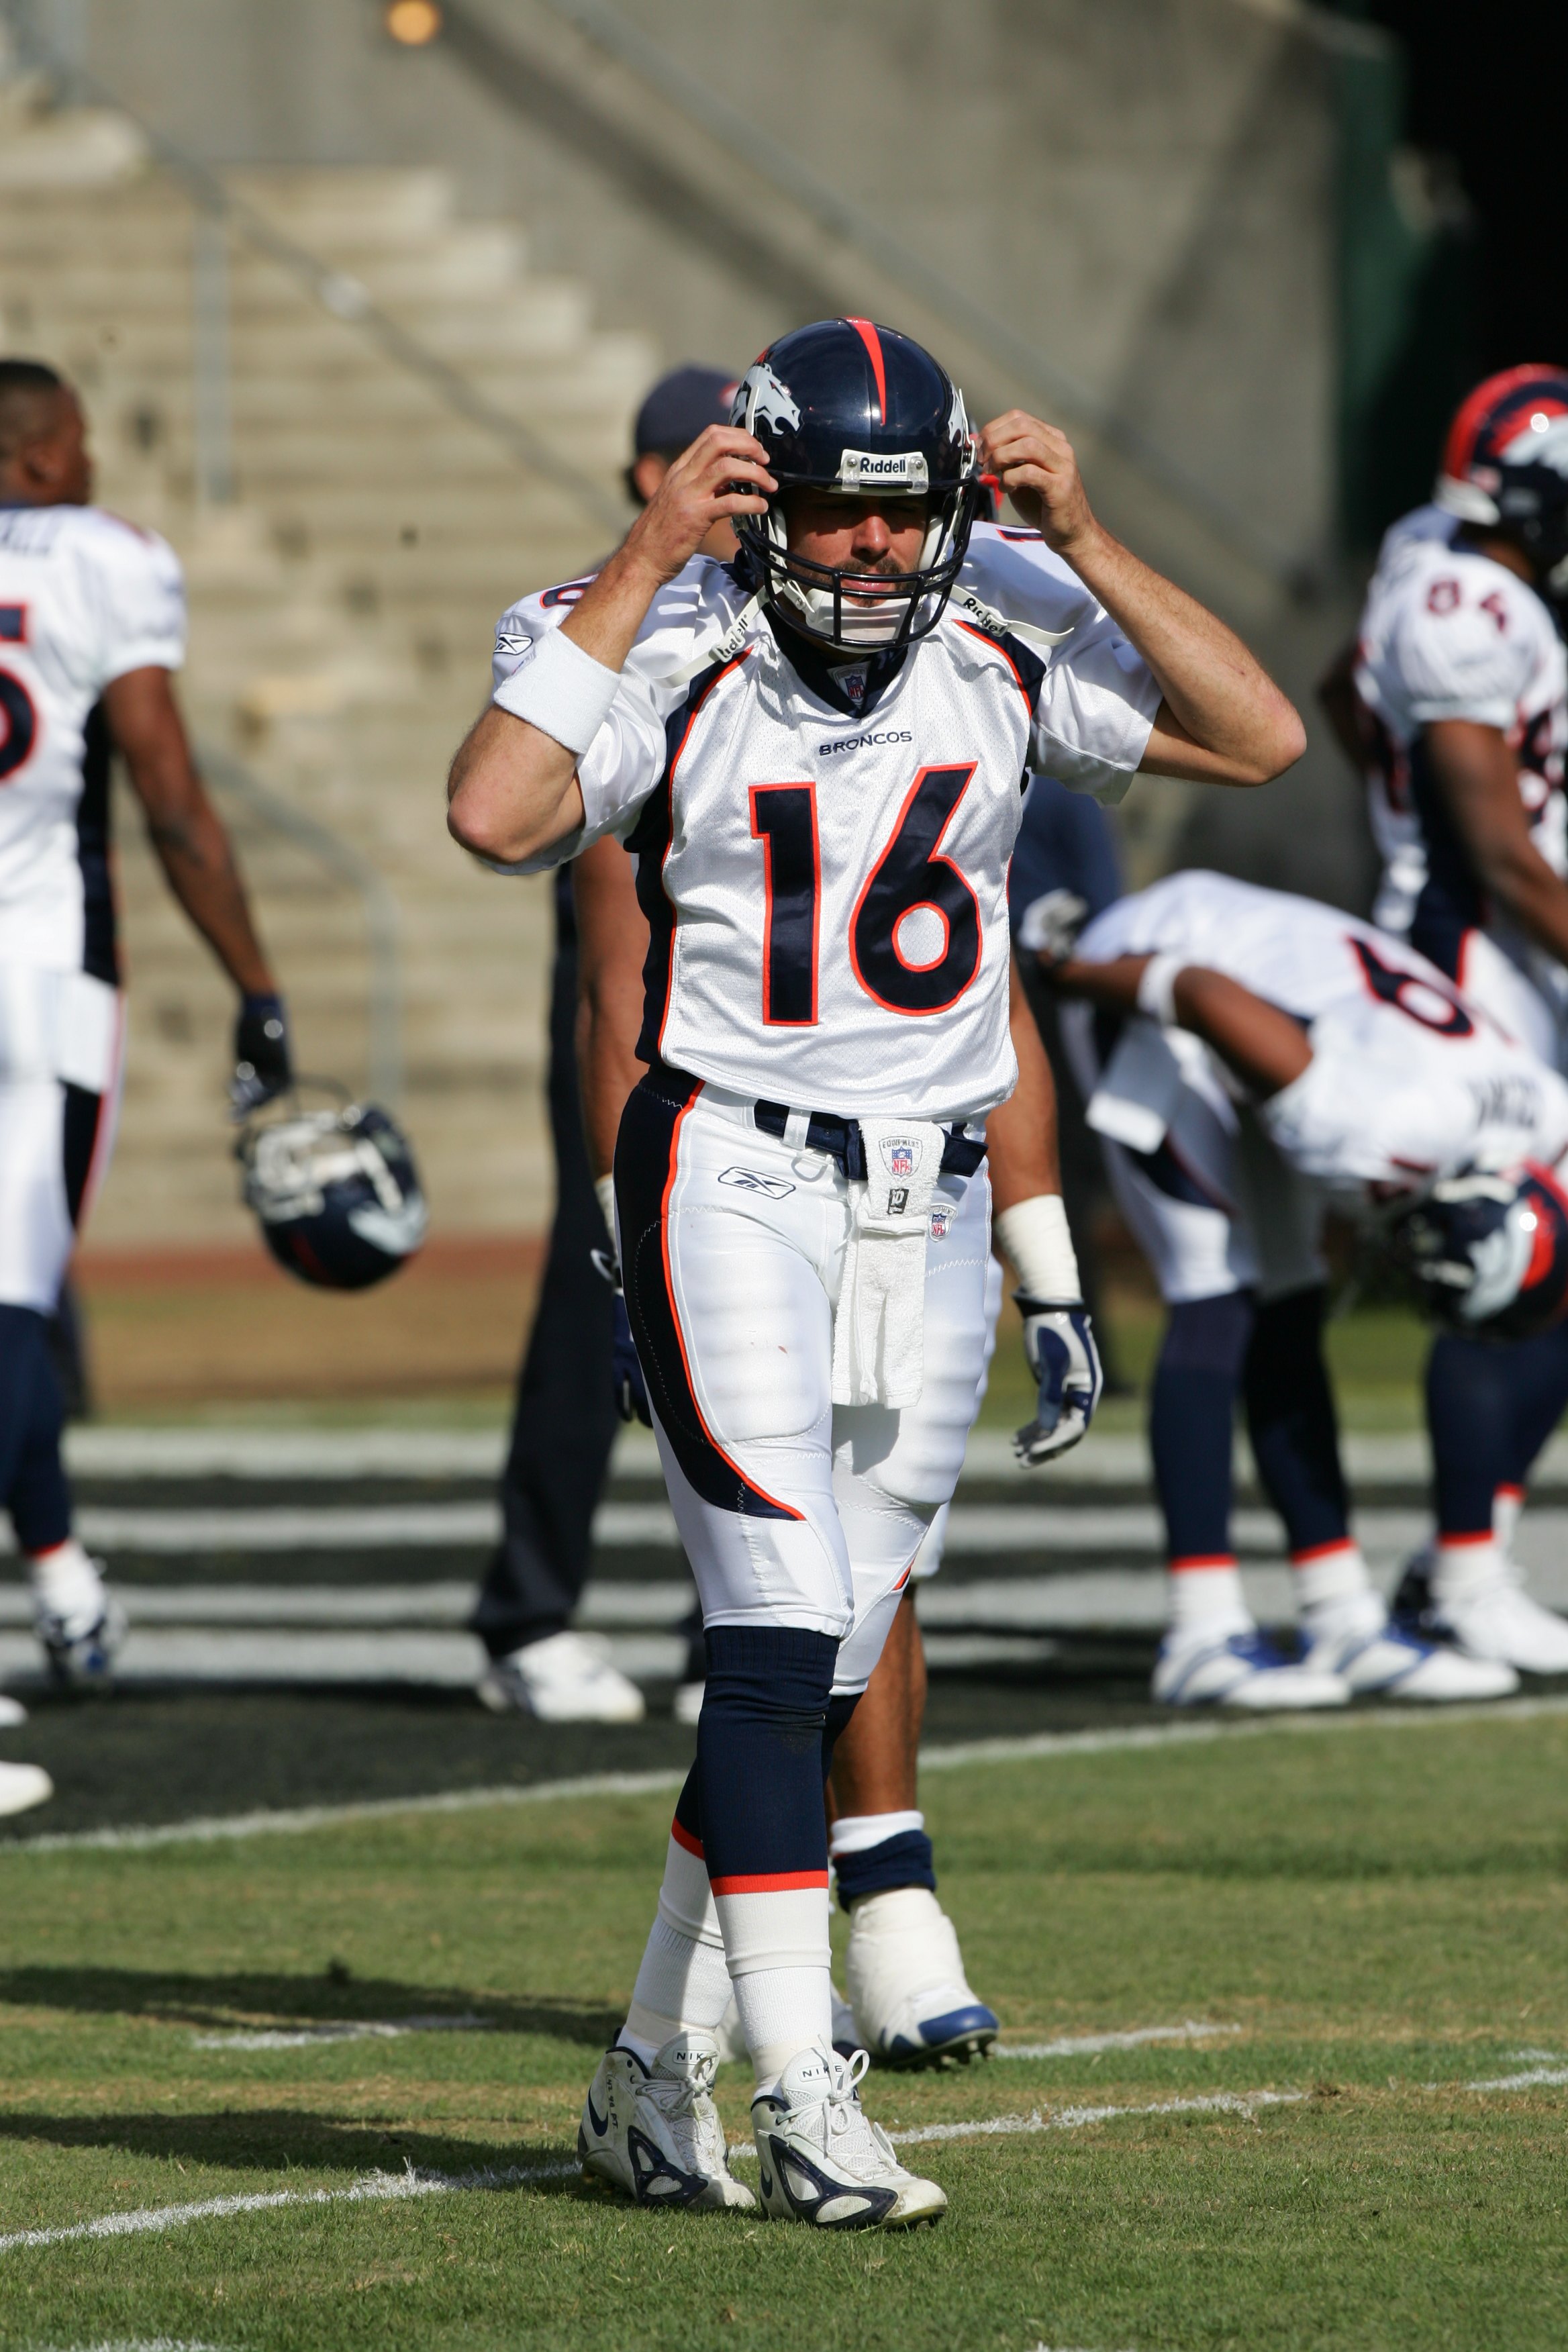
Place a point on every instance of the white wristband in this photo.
(1033, 1237)
(1157, 989)
(561, 690)
(605, 1193)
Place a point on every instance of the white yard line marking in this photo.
(302, 2037)
(377, 2188)
(1040, 1747)
(1522, 2082)
(1054, 2119)
(1080, 2045)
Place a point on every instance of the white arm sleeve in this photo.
(136, 593)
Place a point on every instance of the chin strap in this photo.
(721, 648)
(997, 625)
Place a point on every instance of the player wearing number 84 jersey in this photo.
(815, 756)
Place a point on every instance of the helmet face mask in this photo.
(1505, 468)
(335, 1193)
(850, 410)
(1487, 1253)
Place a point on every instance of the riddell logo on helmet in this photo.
(876, 468)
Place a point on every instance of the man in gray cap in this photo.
(564, 1416)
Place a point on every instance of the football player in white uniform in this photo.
(1453, 702)
(1251, 1056)
(91, 627)
(816, 755)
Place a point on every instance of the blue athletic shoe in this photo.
(1200, 1666)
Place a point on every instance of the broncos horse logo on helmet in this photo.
(1505, 466)
(849, 407)
(1489, 1253)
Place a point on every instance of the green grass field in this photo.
(1381, 1910)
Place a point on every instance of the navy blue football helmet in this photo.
(1489, 1253)
(1505, 466)
(851, 407)
(336, 1194)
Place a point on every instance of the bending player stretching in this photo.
(817, 756)
(91, 624)
(1346, 1064)
(1453, 702)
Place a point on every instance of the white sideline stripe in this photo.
(377, 2188)
(1038, 1746)
(1216, 2103)
(303, 2037)
(1080, 2045)
(1513, 2082)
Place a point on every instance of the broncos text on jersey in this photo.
(823, 852)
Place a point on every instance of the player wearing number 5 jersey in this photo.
(818, 754)
(91, 627)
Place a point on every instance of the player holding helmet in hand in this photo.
(91, 624)
(816, 755)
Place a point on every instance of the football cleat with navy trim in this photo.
(825, 2162)
(909, 1996)
(1210, 1667)
(654, 2133)
(1378, 1658)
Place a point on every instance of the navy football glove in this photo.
(262, 1064)
(1059, 1344)
(631, 1389)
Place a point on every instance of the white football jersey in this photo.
(824, 864)
(1409, 1081)
(1448, 634)
(84, 598)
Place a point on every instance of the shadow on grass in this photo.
(280, 2141)
(215, 2003)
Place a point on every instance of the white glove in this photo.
(1058, 1341)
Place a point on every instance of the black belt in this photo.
(842, 1140)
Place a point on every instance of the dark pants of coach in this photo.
(564, 1420)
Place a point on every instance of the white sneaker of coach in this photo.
(1230, 1665)
(1501, 1623)
(23, 1785)
(654, 2132)
(823, 2160)
(1356, 1638)
(911, 2002)
(565, 1678)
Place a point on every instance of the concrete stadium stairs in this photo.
(342, 613)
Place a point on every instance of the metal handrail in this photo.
(344, 297)
(381, 917)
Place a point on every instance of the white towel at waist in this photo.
(878, 1326)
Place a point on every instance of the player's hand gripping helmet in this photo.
(336, 1192)
(1489, 1253)
(1505, 466)
(849, 407)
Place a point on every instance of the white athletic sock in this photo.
(684, 1980)
(775, 1940)
(1328, 1576)
(1465, 1565)
(67, 1586)
(858, 1832)
(1506, 1504)
(1205, 1596)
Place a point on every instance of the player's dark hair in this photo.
(23, 385)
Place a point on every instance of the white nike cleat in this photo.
(1379, 1658)
(911, 2001)
(1503, 1623)
(824, 2161)
(655, 2133)
(22, 1785)
(12, 1712)
(1239, 1669)
(565, 1678)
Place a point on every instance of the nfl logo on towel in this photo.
(901, 1158)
